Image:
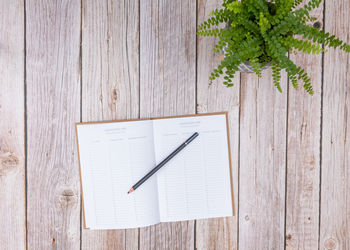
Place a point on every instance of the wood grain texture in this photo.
(218, 233)
(303, 159)
(308, 143)
(167, 87)
(110, 84)
(53, 100)
(262, 162)
(335, 183)
(12, 164)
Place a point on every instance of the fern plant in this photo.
(261, 32)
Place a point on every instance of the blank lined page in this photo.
(196, 183)
(113, 157)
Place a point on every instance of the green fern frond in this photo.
(256, 66)
(321, 37)
(276, 76)
(263, 23)
(262, 31)
(302, 45)
(297, 3)
(209, 32)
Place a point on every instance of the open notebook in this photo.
(195, 184)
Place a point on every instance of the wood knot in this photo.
(53, 240)
(9, 163)
(330, 243)
(67, 198)
(317, 25)
(246, 217)
(290, 243)
(115, 94)
(199, 108)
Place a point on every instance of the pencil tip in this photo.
(131, 190)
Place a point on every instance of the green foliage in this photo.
(262, 31)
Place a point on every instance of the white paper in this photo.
(196, 183)
(113, 157)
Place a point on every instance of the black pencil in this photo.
(156, 168)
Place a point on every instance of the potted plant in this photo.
(260, 33)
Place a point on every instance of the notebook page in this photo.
(196, 182)
(113, 157)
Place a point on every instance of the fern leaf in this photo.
(276, 76)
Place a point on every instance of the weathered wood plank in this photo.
(12, 168)
(303, 155)
(53, 104)
(110, 84)
(217, 233)
(167, 87)
(335, 183)
(262, 162)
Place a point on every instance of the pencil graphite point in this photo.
(131, 190)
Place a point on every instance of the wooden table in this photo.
(63, 62)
